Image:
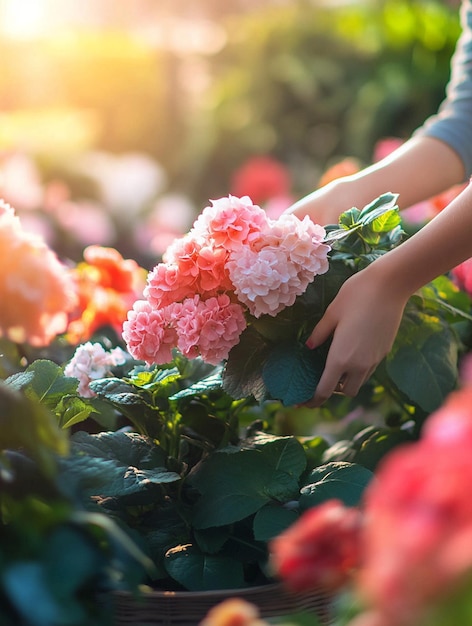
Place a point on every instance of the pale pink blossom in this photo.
(36, 292)
(269, 276)
(148, 333)
(90, 362)
(232, 222)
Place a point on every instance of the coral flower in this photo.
(107, 285)
(233, 612)
(319, 551)
(418, 534)
(36, 292)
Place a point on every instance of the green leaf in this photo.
(210, 383)
(116, 464)
(271, 520)
(25, 423)
(127, 448)
(72, 410)
(48, 383)
(200, 572)
(381, 205)
(339, 480)
(27, 589)
(211, 540)
(70, 551)
(242, 374)
(235, 483)
(378, 444)
(292, 371)
(423, 363)
(116, 390)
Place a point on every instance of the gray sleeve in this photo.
(453, 122)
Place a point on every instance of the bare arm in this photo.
(421, 168)
(365, 316)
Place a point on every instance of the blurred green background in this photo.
(119, 121)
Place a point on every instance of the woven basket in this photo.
(188, 608)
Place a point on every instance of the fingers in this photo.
(340, 377)
(322, 331)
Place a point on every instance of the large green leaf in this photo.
(27, 424)
(292, 372)
(336, 480)
(423, 363)
(242, 375)
(26, 586)
(200, 572)
(127, 448)
(271, 520)
(130, 462)
(44, 380)
(235, 483)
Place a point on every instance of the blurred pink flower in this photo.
(384, 147)
(462, 275)
(20, 181)
(170, 217)
(418, 535)
(321, 550)
(87, 222)
(36, 291)
(262, 178)
(90, 362)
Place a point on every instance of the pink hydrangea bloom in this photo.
(148, 333)
(269, 276)
(234, 261)
(166, 284)
(36, 291)
(232, 222)
(208, 328)
(90, 362)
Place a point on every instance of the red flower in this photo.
(418, 532)
(261, 178)
(320, 550)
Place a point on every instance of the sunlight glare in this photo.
(23, 19)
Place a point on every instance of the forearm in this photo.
(439, 246)
(420, 169)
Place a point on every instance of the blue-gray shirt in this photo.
(453, 122)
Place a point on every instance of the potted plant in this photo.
(184, 456)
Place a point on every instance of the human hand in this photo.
(363, 321)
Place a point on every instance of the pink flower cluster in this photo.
(234, 261)
(36, 291)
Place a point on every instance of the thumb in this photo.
(322, 331)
